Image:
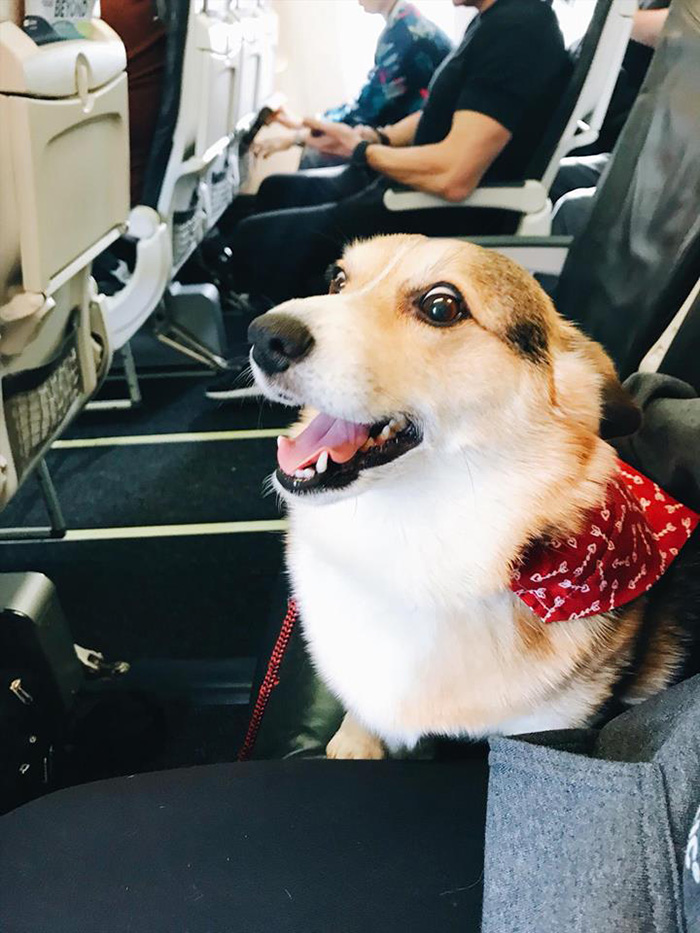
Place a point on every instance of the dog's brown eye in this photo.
(338, 280)
(442, 306)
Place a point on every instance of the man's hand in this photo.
(286, 118)
(336, 139)
(269, 146)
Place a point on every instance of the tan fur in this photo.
(500, 294)
(662, 660)
(352, 740)
(534, 634)
(373, 356)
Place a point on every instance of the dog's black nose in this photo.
(279, 340)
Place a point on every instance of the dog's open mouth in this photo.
(331, 453)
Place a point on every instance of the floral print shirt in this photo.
(408, 52)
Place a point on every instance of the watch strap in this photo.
(359, 154)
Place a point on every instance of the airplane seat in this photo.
(128, 309)
(202, 177)
(190, 179)
(222, 184)
(576, 122)
(228, 71)
(63, 108)
(208, 164)
(222, 45)
(257, 84)
(203, 132)
(628, 277)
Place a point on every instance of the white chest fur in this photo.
(404, 599)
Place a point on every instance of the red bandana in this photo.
(626, 547)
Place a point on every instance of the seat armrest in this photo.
(196, 165)
(545, 255)
(525, 197)
(127, 310)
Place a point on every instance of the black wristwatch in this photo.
(359, 154)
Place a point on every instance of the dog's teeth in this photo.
(309, 473)
(386, 432)
(399, 423)
(299, 474)
(368, 444)
(322, 462)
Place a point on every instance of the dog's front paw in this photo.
(353, 741)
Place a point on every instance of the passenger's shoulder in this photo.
(420, 27)
(523, 13)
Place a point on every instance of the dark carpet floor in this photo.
(156, 484)
(178, 404)
(197, 596)
(185, 597)
(188, 611)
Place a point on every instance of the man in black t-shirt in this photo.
(487, 106)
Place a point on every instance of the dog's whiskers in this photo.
(467, 464)
(268, 487)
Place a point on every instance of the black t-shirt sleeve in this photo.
(509, 68)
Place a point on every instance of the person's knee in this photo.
(572, 211)
(252, 241)
(272, 192)
(577, 172)
(567, 179)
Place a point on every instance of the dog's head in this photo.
(423, 345)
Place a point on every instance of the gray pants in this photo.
(586, 831)
(572, 192)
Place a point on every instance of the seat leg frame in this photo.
(57, 527)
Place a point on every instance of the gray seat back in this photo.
(632, 267)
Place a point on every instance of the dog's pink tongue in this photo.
(342, 440)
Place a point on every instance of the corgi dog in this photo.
(454, 426)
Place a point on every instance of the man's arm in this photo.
(404, 132)
(451, 169)
(647, 26)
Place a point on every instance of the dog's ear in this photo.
(620, 415)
